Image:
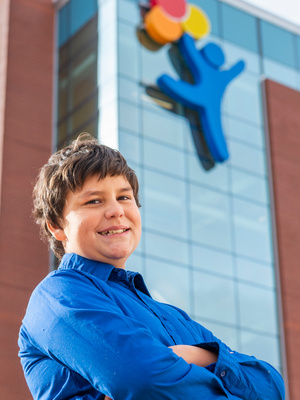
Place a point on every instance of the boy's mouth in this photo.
(113, 232)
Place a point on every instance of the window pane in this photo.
(165, 202)
(165, 158)
(83, 76)
(128, 46)
(252, 230)
(129, 146)
(129, 11)
(210, 217)
(233, 53)
(247, 158)
(261, 274)
(168, 283)
(81, 11)
(243, 98)
(249, 186)
(280, 73)
(135, 263)
(63, 25)
(211, 9)
(212, 260)
(154, 64)
(257, 308)
(167, 248)
(264, 347)
(87, 111)
(223, 332)
(245, 132)
(216, 177)
(164, 127)
(208, 287)
(239, 27)
(129, 117)
(278, 44)
(129, 90)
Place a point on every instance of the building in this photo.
(226, 231)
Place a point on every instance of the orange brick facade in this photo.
(283, 109)
(26, 146)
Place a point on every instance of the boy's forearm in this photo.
(195, 355)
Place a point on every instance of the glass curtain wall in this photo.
(77, 88)
(207, 234)
(207, 244)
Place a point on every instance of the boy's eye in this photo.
(124, 198)
(94, 201)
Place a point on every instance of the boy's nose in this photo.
(114, 210)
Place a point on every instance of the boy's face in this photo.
(101, 221)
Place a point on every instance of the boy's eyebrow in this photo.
(101, 192)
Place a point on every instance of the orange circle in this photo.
(160, 28)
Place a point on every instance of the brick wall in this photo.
(26, 146)
(283, 109)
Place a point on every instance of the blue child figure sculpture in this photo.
(206, 93)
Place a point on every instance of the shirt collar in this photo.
(74, 261)
(100, 270)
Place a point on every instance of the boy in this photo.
(92, 330)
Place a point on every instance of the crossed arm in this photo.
(192, 355)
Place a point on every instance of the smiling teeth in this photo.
(112, 232)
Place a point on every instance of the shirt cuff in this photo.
(228, 369)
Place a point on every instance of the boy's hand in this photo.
(195, 355)
(107, 398)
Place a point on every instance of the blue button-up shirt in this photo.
(92, 330)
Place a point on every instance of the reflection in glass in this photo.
(245, 132)
(159, 245)
(168, 283)
(164, 158)
(235, 52)
(129, 146)
(243, 99)
(249, 186)
(210, 217)
(254, 272)
(216, 177)
(221, 290)
(280, 73)
(165, 202)
(128, 11)
(223, 332)
(164, 127)
(128, 48)
(263, 347)
(129, 117)
(252, 230)
(214, 261)
(239, 27)
(278, 44)
(257, 308)
(247, 158)
(77, 82)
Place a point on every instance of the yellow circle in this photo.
(197, 23)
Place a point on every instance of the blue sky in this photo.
(286, 9)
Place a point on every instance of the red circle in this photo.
(175, 8)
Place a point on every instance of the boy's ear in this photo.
(57, 232)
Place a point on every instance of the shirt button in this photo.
(121, 274)
(223, 373)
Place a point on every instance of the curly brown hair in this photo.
(67, 170)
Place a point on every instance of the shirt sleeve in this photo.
(244, 376)
(78, 326)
